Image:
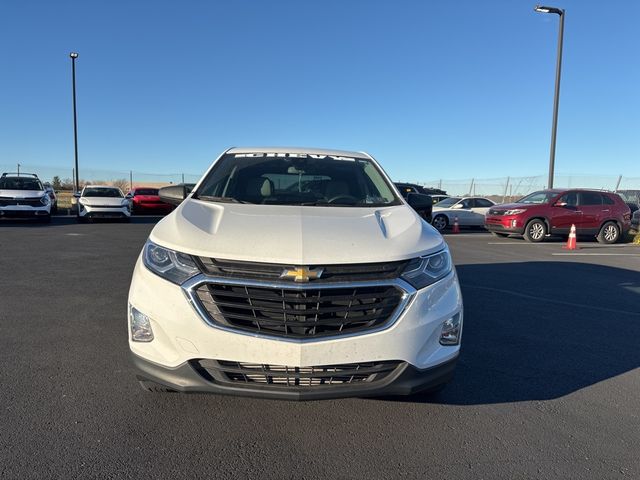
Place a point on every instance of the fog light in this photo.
(513, 223)
(140, 326)
(451, 330)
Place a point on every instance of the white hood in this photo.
(296, 235)
(22, 193)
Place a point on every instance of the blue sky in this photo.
(432, 89)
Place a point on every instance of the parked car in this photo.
(438, 198)
(553, 212)
(426, 204)
(631, 198)
(328, 289)
(23, 195)
(99, 201)
(146, 200)
(635, 222)
(52, 195)
(469, 211)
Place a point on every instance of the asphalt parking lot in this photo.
(546, 387)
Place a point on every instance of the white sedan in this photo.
(470, 212)
(98, 201)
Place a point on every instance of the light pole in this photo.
(556, 97)
(73, 56)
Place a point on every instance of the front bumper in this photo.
(181, 336)
(25, 211)
(504, 224)
(405, 380)
(90, 211)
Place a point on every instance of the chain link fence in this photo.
(62, 178)
(509, 188)
(503, 189)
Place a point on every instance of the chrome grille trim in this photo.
(190, 287)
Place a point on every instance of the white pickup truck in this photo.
(294, 273)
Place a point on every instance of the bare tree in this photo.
(121, 183)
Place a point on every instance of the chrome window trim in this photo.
(190, 286)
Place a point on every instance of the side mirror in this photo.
(76, 195)
(419, 201)
(175, 194)
(129, 196)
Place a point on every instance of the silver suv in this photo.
(23, 195)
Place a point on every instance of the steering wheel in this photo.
(342, 196)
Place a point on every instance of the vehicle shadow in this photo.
(542, 330)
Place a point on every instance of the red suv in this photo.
(552, 212)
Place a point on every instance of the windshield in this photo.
(102, 192)
(297, 179)
(538, 198)
(447, 202)
(20, 183)
(146, 191)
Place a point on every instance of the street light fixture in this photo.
(556, 97)
(73, 56)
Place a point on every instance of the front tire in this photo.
(535, 231)
(609, 233)
(440, 222)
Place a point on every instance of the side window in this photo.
(607, 200)
(590, 198)
(483, 203)
(467, 203)
(571, 199)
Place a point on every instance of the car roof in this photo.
(100, 186)
(314, 151)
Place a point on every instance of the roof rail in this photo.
(19, 174)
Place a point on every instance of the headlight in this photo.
(515, 211)
(125, 202)
(45, 200)
(83, 201)
(174, 266)
(423, 271)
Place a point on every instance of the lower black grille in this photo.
(30, 202)
(496, 212)
(296, 377)
(288, 312)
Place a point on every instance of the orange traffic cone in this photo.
(456, 226)
(571, 242)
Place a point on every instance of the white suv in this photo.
(23, 195)
(296, 274)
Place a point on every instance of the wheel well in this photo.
(614, 220)
(546, 222)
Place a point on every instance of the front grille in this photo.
(496, 212)
(330, 273)
(299, 313)
(30, 202)
(242, 373)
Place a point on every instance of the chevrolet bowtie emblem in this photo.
(302, 274)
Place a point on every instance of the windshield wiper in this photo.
(211, 198)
